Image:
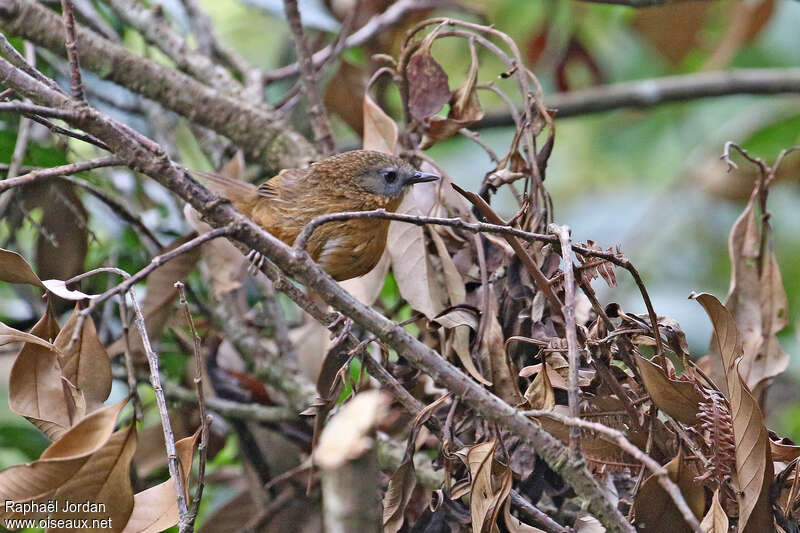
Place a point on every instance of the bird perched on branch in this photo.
(360, 180)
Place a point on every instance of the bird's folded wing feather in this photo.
(286, 184)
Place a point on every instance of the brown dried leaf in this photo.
(398, 492)
(758, 303)
(540, 394)
(156, 508)
(465, 108)
(753, 461)
(412, 267)
(488, 489)
(653, 508)
(428, 86)
(35, 388)
(86, 364)
(673, 30)
(380, 131)
(716, 520)
(679, 399)
(14, 269)
(104, 479)
(503, 375)
(349, 433)
(59, 462)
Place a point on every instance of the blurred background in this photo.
(650, 180)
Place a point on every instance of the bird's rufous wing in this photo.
(286, 184)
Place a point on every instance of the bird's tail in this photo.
(240, 193)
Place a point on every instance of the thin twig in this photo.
(572, 336)
(157, 262)
(316, 109)
(129, 368)
(202, 448)
(662, 476)
(118, 207)
(169, 437)
(63, 170)
(373, 27)
(22, 107)
(76, 84)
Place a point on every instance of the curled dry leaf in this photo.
(465, 108)
(491, 483)
(412, 267)
(679, 399)
(34, 385)
(653, 509)
(85, 364)
(59, 463)
(156, 508)
(428, 86)
(14, 269)
(493, 352)
(756, 301)
(540, 393)
(348, 435)
(63, 240)
(753, 460)
(398, 493)
(716, 520)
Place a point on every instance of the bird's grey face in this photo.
(393, 180)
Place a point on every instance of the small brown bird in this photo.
(361, 180)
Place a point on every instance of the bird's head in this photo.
(375, 173)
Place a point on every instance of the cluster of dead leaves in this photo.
(60, 381)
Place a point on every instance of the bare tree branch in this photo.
(63, 170)
(656, 91)
(263, 134)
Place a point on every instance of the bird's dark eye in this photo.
(390, 176)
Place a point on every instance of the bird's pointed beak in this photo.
(421, 177)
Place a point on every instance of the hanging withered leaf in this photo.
(678, 398)
(753, 459)
(653, 508)
(756, 299)
(465, 108)
(428, 86)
